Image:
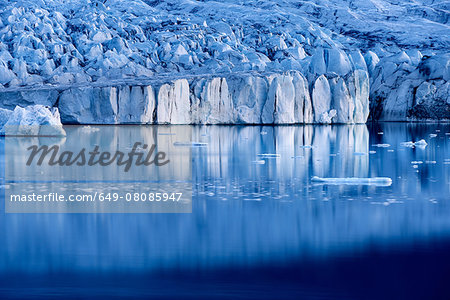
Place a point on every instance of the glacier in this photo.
(228, 62)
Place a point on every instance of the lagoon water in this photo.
(259, 227)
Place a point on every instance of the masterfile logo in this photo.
(96, 158)
(121, 169)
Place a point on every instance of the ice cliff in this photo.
(208, 62)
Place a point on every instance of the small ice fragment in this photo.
(430, 162)
(259, 162)
(359, 153)
(381, 145)
(417, 162)
(407, 144)
(447, 133)
(420, 143)
(437, 130)
(89, 129)
(190, 144)
(380, 132)
(390, 150)
(372, 152)
(269, 155)
(433, 135)
(137, 149)
(333, 155)
(379, 181)
(263, 132)
(415, 166)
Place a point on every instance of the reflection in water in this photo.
(246, 213)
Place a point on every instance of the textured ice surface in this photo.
(35, 120)
(120, 62)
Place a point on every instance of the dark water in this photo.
(258, 231)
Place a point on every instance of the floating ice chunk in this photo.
(381, 145)
(259, 162)
(390, 150)
(433, 135)
(89, 129)
(419, 162)
(137, 149)
(430, 162)
(306, 147)
(415, 166)
(190, 144)
(421, 144)
(407, 144)
(269, 155)
(447, 133)
(372, 152)
(263, 132)
(379, 181)
(359, 153)
(380, 133)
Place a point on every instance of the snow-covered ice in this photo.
(209, 62)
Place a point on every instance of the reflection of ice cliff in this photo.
(245, 213)
(231, 149)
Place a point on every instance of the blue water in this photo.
(261, 231)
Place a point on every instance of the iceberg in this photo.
(377, 181)
(36, 120)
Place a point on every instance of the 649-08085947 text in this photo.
(99, 196)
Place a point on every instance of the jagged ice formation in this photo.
(227, 62)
